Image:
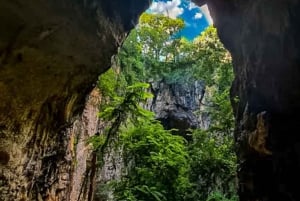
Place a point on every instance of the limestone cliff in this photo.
(263, 38)
(51, 53)
(178, 105)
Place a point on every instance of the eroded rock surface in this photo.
(51, 53)
(263, 38)
(178, 105)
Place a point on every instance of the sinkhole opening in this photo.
(165, 104)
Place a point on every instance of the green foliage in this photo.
(213, 163)
(212, 156)
(218, 196)
(207, 59)
(149, 150)
(128, 104)
(119, 107)
(108, 83)
(131, 60)
(221, 113)
(151, 49)
(157, 165)
(157, 35)
(180, 76)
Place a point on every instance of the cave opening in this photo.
(51, 53)
(167, 93)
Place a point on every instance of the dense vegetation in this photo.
(160, 166)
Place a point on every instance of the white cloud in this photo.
(169, 8)
(198, 16)
(206, 13)
(192, 6)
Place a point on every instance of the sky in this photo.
(196, 18)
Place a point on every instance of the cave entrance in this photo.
(167, 95)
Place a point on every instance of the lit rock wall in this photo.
(51, 53)
(178, 105)
(263, 38)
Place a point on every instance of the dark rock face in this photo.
(51, 53)
(175, 104)
(263, 38)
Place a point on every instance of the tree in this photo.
(213, 60)
(151, 48)
(156, 164)
(213, 160)
(216, 70)
(158, 36)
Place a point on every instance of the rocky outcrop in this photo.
(87, 176)
(51, 53)
(83, 128)
(112, 170)
(263, 38)
(177, 105)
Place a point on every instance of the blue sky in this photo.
(196, 18)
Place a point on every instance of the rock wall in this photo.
(178, 105)
(263, 38)
(86, 177)
(84, 127)
(51, 53)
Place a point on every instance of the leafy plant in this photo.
(213, 163)
(156, 161)
(218, 196)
